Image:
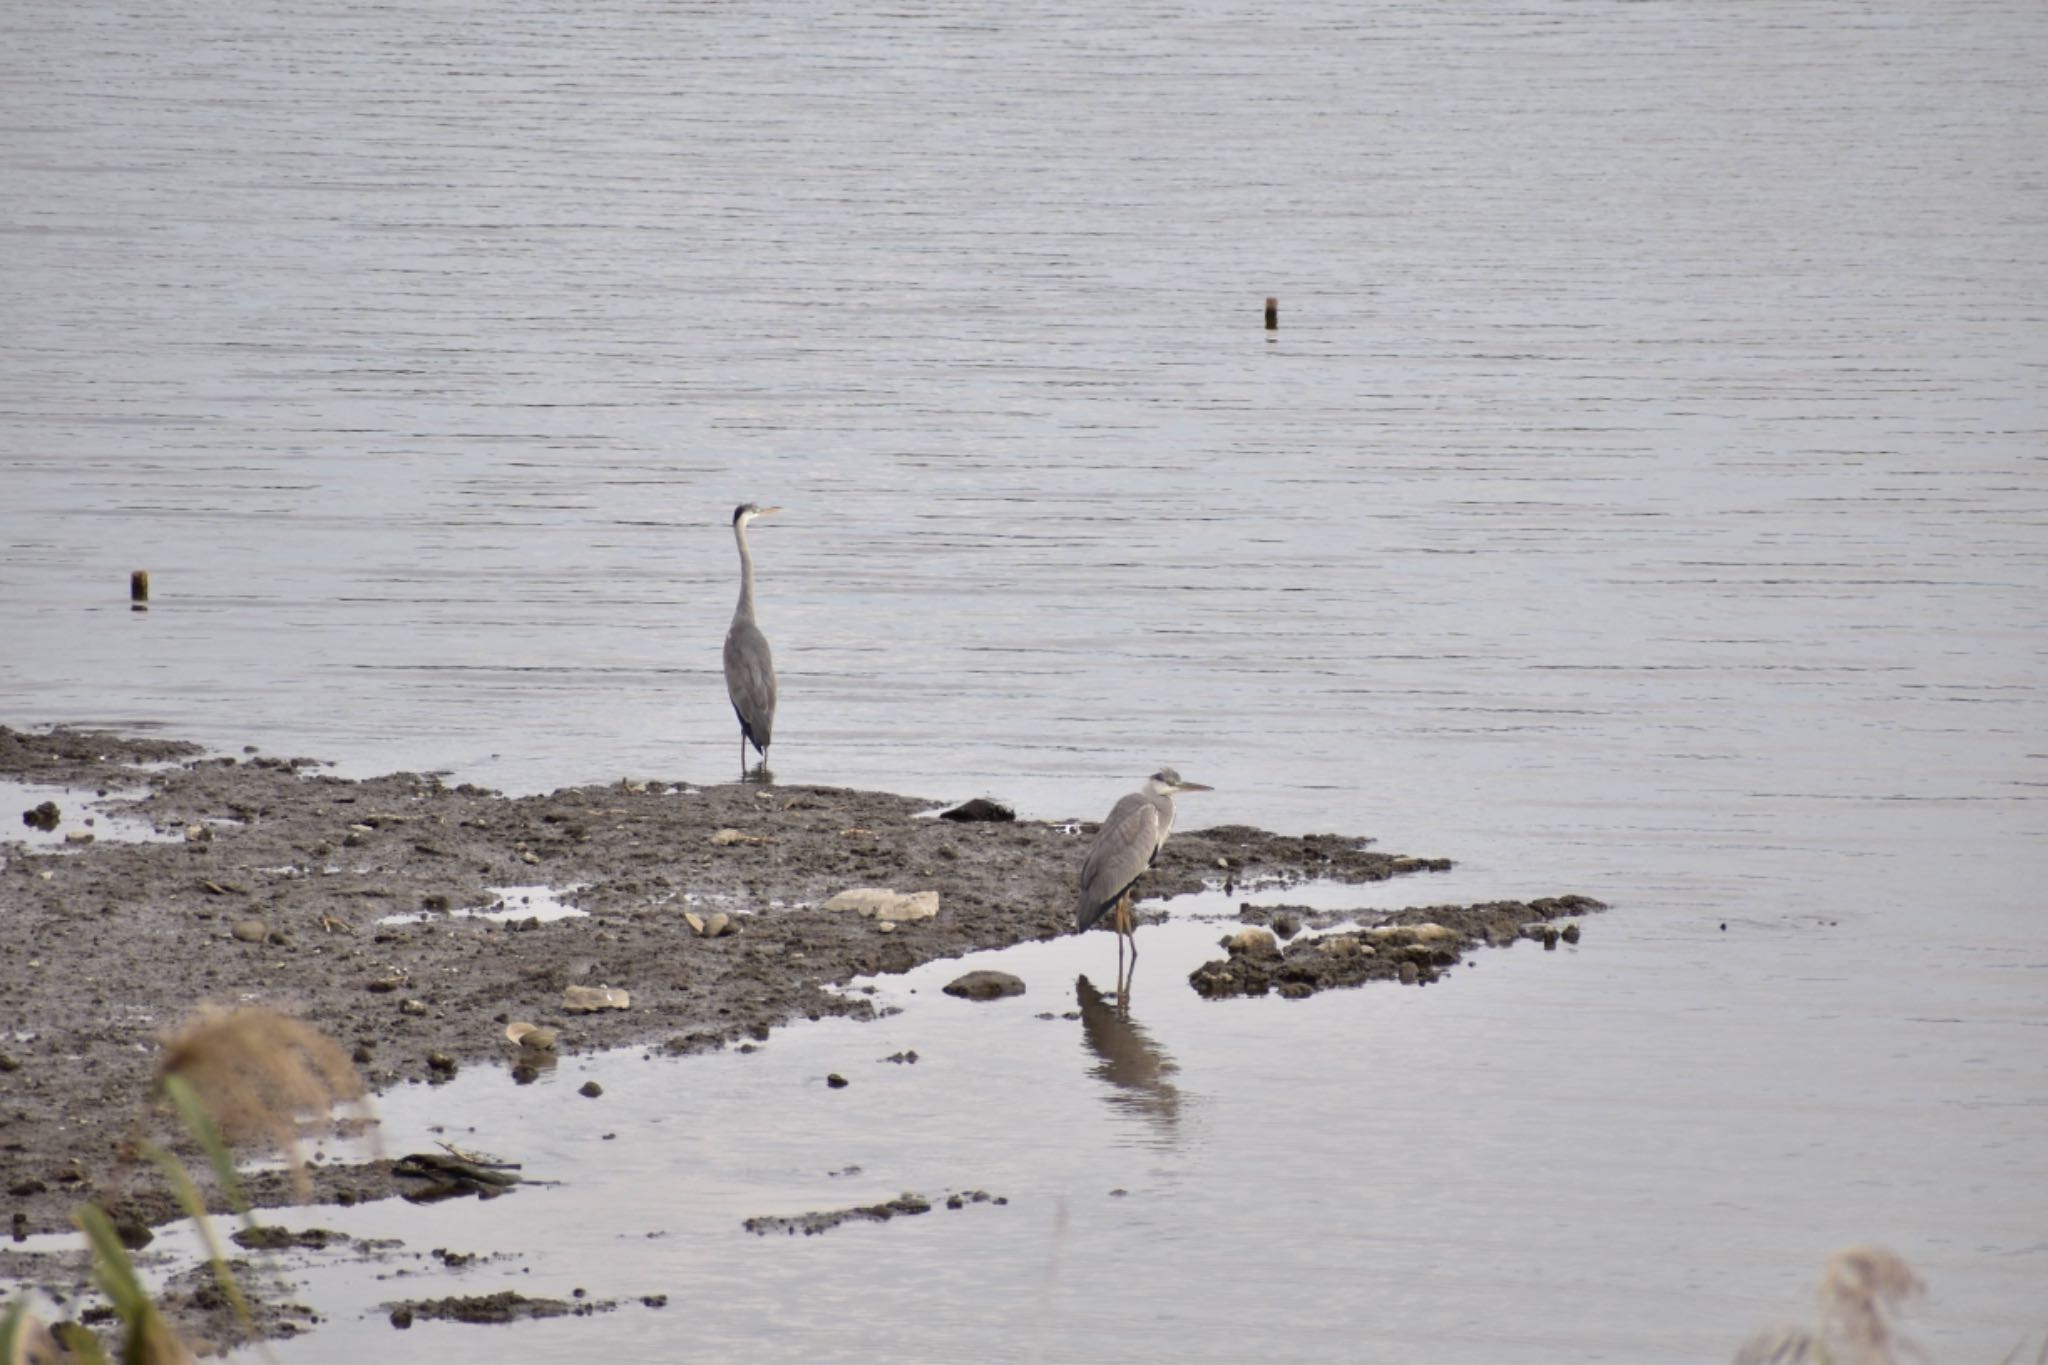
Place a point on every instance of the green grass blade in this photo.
(14, 1333)
(202, 1127)
(194, 1203)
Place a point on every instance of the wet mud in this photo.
(271, 881)
(906, 1205)
(502, 1307)
(431, 927)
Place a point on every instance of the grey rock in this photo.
(985, 985)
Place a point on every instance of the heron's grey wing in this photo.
(1124, 848)
(750, 681)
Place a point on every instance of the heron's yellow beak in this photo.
(1192, 787)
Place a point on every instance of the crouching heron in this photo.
(1125, 847)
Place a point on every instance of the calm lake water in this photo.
(1643, 495)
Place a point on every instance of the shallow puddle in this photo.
(543, 903)
(82, 817)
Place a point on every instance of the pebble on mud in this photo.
(590, 1090)
(534, 1037)
(591, 999)
(43, 817)
(884, 903)
(726, 838)
(985, 985)
(1253, 942)
(711, 926)
(836, 1081)
(251, 930)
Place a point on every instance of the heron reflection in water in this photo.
(1129, 1060)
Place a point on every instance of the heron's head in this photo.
(1167, 782)
(747, 511)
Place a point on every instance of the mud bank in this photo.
(1414, 947)
(363, 906)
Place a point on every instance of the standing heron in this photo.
(1125, 847)
(749, 667)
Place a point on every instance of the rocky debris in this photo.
(836, 1081)
(711, 926)
(429, 1177)
(979, 809)
(1413, 947)
(590, 1090)
(43, 817)
(985, 985)
(882, 903)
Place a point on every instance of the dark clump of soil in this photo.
(824, 1220)
(1414, 947)
(980, 808)
(504, 1306)
(113, 942)
(266, 1237)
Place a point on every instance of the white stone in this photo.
(590, 999)
(877, 902)
(1253, 942)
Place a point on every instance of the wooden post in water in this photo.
(138, 590)
(1272, 315)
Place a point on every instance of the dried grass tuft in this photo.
(260, 1075)
(1861, 1290)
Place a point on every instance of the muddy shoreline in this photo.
(269, 881)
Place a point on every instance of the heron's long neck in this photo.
(745, 610)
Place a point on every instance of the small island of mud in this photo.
(389, 913)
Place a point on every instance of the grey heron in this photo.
(1125, 847)
(749, 667)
